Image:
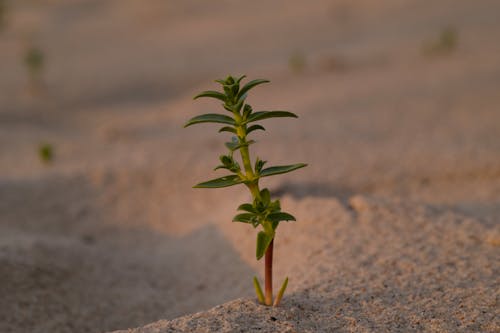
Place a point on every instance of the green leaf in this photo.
(220, 167)
(245, 218)
(258, 290)
(250, 85)
(259, 164)
(262, 201)
(263, 241)
(275, 224)
(227, 129)
(234, 168)
(220, 182)
(228, 163)
(260, 115)
(247, 208)
(276, 170)
(254, 128)
(247, 110)
(281, 216)
(227, 107)
(265, 196)
(211, 118)
(278, 298)
(226, 160)
(212, 94)
(240, 78)
(275, 206)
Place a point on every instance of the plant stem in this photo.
(245, 156)
(247, 163)
(254, 189)
(269, 274)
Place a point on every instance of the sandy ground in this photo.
(398, 211)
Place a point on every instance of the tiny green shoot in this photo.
(3, 14)
(34, 61)
(445, 44)
(262, 210)
(46, 153)
(258, 290)
(280, 293)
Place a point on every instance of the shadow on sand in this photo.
(66, 265)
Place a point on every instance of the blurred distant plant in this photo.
(34, 62)
(297, 62)
(262, 211)
(3, 14)
(446, 43)
(46, 152)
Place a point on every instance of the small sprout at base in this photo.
(281, 293)
(258, 290)
(46, 153)
(262, 211)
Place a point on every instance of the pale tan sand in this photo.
(398, 211)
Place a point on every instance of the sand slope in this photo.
(379, 266)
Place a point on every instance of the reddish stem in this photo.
(269, 274)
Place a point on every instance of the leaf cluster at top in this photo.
(242, 114)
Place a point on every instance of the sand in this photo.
(397, 213)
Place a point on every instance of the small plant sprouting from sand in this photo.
(34, 61)
(446, 43)
(46, 153)
(3, 14)
(262, 211)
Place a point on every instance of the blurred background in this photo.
(99, 226)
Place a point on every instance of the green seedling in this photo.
(446, 43)
(34, 62)
(262, 211)
(3, 14)
(46, 152)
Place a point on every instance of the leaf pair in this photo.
(223, 119)
(263, 212)
(235, 179)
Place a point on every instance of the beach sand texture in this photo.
(398, 212)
